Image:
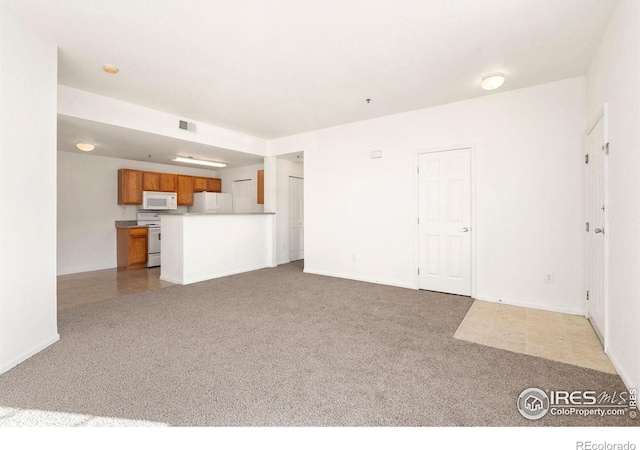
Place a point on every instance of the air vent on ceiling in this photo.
(188, 126)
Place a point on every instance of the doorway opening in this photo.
(296, 218)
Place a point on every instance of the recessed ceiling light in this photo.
(110, 69)
(85, 147)
(493, 81)
(201, 162)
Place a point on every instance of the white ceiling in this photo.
(273, 68)
(125, 143)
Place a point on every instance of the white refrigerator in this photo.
(212, 202)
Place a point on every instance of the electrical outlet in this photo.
(548, 278)
(284, 246)
(353, 257)
(235, 253)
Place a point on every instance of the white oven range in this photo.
(152, 221)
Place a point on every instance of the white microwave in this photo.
(159, 201)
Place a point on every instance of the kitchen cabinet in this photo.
(151, 181)
(260, 187)
(131, 183)
(214, 185)
(185, 190)
(129, 187)
(168, 182)
(199, 184)
(132, 248)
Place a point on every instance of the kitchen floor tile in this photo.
(560, 337)
(88, 287)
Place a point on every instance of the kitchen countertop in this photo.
(218, 214)
(134, 223)
(128, 224)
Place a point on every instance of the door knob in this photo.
(599, 230)
(464, 230)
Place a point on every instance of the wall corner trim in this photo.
(29, 353)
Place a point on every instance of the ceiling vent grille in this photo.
(187, 126)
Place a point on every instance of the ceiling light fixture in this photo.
(85, 147)
(201, 162)
(110, 69)
(493, 81)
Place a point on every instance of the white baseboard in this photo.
(366, 280)
(284, 261)
(575, 311)
(626, 379)
(29, 353)
(220, 275)
(170, 280)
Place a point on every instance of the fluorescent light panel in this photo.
(200, 162)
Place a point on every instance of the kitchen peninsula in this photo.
(198, 247)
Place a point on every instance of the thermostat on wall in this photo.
(376, 154)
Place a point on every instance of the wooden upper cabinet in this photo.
(151, 181)
(185, 189)
(131, 183)
(129, 187)
(260, 187)
(199, 184)
(214, 185)
(168, 182)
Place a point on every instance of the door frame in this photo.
(299, 177)
(603, 114)
(416, 209)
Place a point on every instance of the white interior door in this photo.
(445, 221)
(596, 231)
(296, 218)
(242, 190)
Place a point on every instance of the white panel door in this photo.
(595, 236)
(242, 190)
(445, 221)
(296, 218)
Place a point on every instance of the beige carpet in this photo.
(279, 347)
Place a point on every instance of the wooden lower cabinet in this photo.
(132, 248)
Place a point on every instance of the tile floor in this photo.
(89, 287)
(560, 337)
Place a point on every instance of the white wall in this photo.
(529, 146)
(228, 177)
(284, 169)
(614, 78)
(203, 247)
(88, 207)
(28, 76)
